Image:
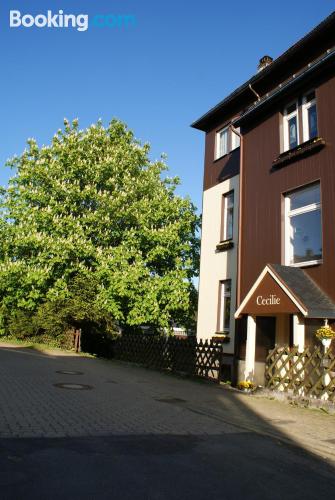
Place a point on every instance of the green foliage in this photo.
(92, 234)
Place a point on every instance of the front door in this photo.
(265, 336)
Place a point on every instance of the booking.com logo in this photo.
(81, 22)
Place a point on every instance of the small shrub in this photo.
(22, 324)
(54, 320)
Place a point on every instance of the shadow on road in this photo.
(168, 438)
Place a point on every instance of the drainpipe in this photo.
(254, 91)
(239, 251)
(239, 248)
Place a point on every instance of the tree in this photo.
(91, 205)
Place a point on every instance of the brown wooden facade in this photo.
(266, 175)
(294, 59)
(264, 188)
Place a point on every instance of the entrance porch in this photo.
(263, 334)
(279, 310)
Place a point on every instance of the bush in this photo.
(54, 320)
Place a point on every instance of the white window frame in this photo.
(305, 107)
(226, 198)
(286, 117)
(224, 294)
(218, 152)
(289, 250)
(235, 139)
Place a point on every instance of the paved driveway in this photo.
(137, 434)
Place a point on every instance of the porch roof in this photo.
(316, 302)
(299, 287)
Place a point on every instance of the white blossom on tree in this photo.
(93, 204)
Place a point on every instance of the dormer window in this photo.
(300, 122)
(291, 126)
(309, 116)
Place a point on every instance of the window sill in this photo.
(305, 149)
(224, 245)
(307, 264)
(222, 337)
(220, 157)
(225, 155)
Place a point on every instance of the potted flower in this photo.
(325, 334)
(246, 386)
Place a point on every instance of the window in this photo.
(291, 127)
(226, 141)
(228, 216)
(309, 117)
(303, 235)
(222, 142)
(235, 139)
(225, 302)
(300, 121)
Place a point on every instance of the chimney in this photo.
(264, 62)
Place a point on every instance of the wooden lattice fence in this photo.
(310, 373)
(188, 356)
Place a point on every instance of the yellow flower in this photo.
(325, 332)
(245, 384)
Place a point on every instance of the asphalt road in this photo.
(136, 434)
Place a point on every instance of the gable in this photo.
(268, 298)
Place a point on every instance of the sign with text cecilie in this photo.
(269, 298)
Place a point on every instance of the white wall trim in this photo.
(250, 349)
(217, 266)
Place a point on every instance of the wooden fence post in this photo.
(77, 340)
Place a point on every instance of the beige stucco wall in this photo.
(259, 372)
(216, 266)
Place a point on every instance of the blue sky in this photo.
(179, 60)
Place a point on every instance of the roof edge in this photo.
(309, 70)
(200, 122)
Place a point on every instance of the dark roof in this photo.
(204, 120)
(308, 293)
(270, 96)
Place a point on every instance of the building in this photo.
(219, 241)
(274, 271)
